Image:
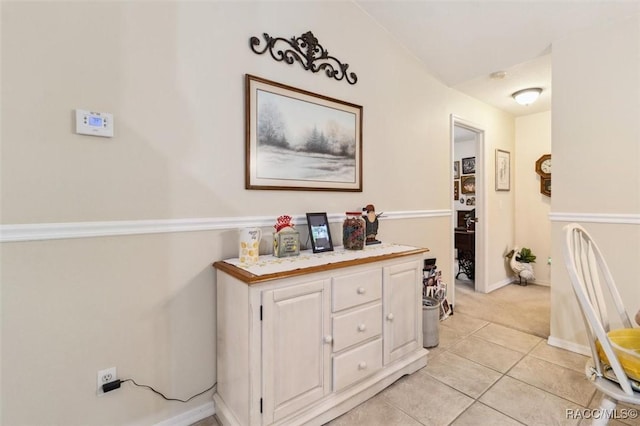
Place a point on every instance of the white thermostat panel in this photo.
(94, 123)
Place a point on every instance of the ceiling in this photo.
(462, 42)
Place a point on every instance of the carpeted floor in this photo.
(524, 308)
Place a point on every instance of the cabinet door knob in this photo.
(362, 327)
(361, 290)
(390, 317)
(328, 339)
(362, 365)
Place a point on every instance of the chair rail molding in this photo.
(56, 231)
(611, 218)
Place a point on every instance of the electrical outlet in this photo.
(106, 376)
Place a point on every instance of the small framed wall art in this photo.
(468, 165)
(503, 170)
(468, 184)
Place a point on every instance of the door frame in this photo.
(480, 273)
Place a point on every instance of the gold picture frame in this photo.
(468, 184)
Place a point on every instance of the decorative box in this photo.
(286, 240)
(286, 243)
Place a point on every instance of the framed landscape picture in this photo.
(299, 140)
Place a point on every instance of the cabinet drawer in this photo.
(356, 364)
(355, 327)
(356, 289)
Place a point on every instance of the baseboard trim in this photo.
(56, 231)
(570, 346)
(190, 417)
(499, 284)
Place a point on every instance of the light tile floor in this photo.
(484, 374)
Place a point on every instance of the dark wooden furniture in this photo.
(465, 243)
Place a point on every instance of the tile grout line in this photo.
(477, 400)
(502, 375)
(528, 384)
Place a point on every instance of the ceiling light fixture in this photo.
(527, 96)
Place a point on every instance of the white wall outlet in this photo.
(106, 376)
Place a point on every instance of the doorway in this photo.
(468, 206)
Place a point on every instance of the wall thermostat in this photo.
(94, 123)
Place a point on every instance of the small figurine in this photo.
(371, 224)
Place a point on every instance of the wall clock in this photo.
(543, 166)
(545, 186)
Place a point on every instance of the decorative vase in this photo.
(249, 245)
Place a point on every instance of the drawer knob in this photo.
(328, 339)
(390, 317)
(362, 365)
(362, 327)
(361, 290)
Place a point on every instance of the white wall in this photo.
(172, 75)
(533, 226)
(596, 178)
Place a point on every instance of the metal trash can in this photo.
(430, 322)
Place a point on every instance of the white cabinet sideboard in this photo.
(303, 340)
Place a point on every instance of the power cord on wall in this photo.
(107, 387)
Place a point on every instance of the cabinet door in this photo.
(402, 330)
(296, 348)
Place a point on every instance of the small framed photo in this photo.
(319, 232)
(468, 165)
(503, 170)
(456, 170)
(468, 184)
(456, 190)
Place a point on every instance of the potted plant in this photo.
(526, 256)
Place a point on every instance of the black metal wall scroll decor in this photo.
(308, 52)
